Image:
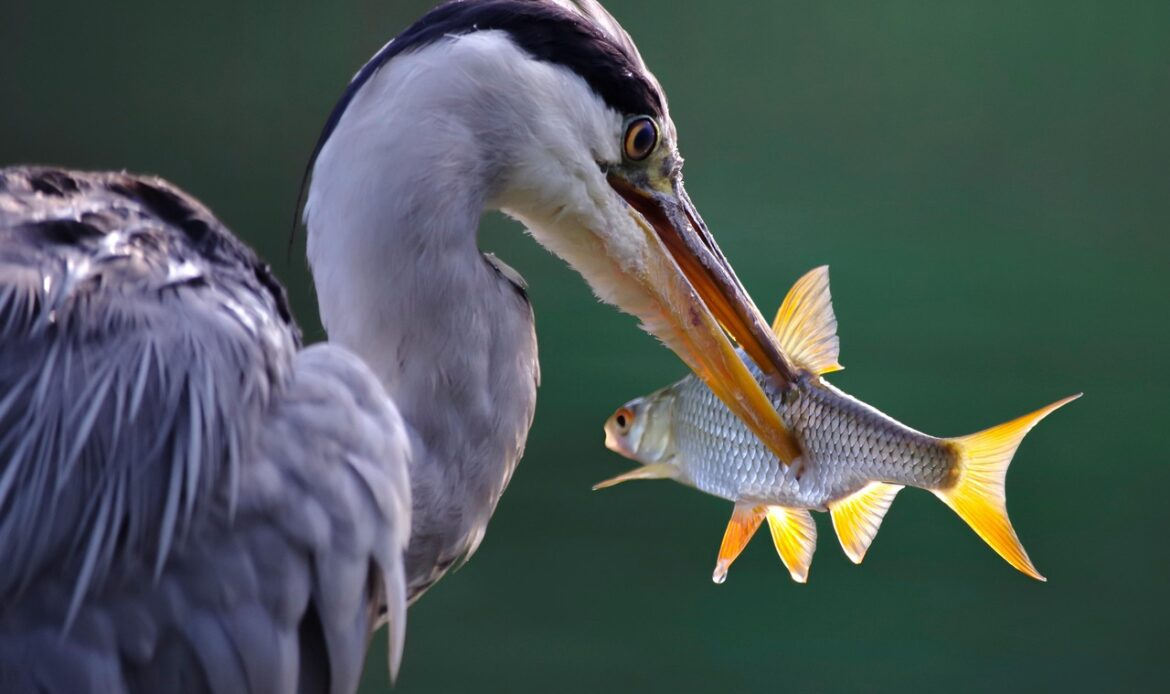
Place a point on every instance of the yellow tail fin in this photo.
(978, 494)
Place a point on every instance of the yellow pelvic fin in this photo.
(806, 326)
(795, 535)
(654, 471)
(978, 493)
(745, 521)
(857, 517)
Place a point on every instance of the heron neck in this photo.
(401, 282)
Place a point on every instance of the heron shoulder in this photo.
(176, 477)
(139, 340)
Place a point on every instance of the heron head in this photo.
(544, 109)
(597, 177)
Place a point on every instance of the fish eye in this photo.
(624, 419)
(641, 138)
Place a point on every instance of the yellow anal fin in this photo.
(745, 521)
(978, 492)
(857, 517)
(795, 535)
(654, 471)
(806, 326)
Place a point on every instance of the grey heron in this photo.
(191, 501)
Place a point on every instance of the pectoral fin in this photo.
(654, 471)
(857, 517)
(806, 326)
(795, 535)
(744, 523)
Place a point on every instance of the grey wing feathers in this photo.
(186, 502)
(338, 447)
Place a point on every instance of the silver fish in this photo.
(853, 459)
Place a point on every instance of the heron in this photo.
(192, 500)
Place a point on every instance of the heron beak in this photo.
(698, 298)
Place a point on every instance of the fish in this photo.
(852, 460)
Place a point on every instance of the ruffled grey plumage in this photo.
(188, 502)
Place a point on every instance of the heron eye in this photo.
(624, 419)
(641, 138)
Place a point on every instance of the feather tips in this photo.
(118, 293)
(161, 441)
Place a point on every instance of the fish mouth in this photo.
(615, 444)
(701, 306)
(618, 429)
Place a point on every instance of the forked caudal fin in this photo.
(978, 494)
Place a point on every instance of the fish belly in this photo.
(717, 452)
(720, 455)
(846, 445)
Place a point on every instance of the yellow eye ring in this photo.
(641, 138)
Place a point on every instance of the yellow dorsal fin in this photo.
(977, 494)
(653, 471)
(805, 325)
(745, 521)
(795, 535)
(857, 517)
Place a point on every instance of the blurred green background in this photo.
(991, 185)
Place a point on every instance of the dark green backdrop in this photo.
(991, 185)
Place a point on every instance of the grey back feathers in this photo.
(123, 307)
(187, 503)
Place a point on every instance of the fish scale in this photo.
(852, 458)
(846, 445)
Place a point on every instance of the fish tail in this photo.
(977, 494)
